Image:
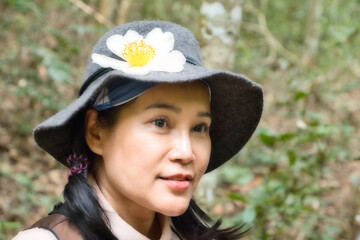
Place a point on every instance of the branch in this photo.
(90, 11)
(263, 29)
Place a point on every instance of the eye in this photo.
(201, 128)
(160, 122)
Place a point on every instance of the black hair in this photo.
(195, 224)
(81, 203)
(83, 209)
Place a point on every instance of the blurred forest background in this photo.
(299, 176)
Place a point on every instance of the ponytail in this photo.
(81, 203)
(83, 209)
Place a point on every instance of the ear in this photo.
(93, 132)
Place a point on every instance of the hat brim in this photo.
(236, 108)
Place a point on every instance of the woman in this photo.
(149, 121)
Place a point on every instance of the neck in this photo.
(141, 219)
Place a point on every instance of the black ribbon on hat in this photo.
(102, 71)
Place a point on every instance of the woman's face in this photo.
(155, 155)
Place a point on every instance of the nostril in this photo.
(182, 149)
(181, 155)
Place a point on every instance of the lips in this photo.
(178, 182)
(178, 177)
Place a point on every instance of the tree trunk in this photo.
(122, 11)
(220, 29)
(105, 8)
(312, 34)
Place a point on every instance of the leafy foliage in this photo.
(306, 129)
(299, 175)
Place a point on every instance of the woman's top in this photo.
(120, 228)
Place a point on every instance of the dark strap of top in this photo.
(57, 223)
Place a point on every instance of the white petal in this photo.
(154, 35)
(136, 70)
(125, 67)
(131, 36)
(105, 61)
(116, 44)
(171, 62)
(162, 42)
(166, 60)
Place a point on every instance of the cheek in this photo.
(203, 151)
(128, 164)
(135, 150)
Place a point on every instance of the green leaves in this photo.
(269, 137)
(237, 197)
(310, 122)
(292, 164)
(6, 226)
(57, 69)
(241, 176)
(247, 216)
(341, 33)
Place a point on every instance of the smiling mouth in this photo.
(177, 182)
(177, 178)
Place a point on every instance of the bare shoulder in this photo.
(35, 233)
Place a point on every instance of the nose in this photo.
(181, 150)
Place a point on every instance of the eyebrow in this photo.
(175, 109)
(204, 114)
(164, 105)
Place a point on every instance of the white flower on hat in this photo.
(141, 56)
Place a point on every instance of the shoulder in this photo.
(55, 225)
(35, 233)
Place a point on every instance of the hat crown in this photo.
(185, 42)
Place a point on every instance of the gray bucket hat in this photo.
(236, 102)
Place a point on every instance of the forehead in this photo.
(194, 92)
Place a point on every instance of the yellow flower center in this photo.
(138, 53)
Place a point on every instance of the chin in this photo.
(174, 212)
(174, 208)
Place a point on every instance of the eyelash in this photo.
(205, 126)
(165, 121)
